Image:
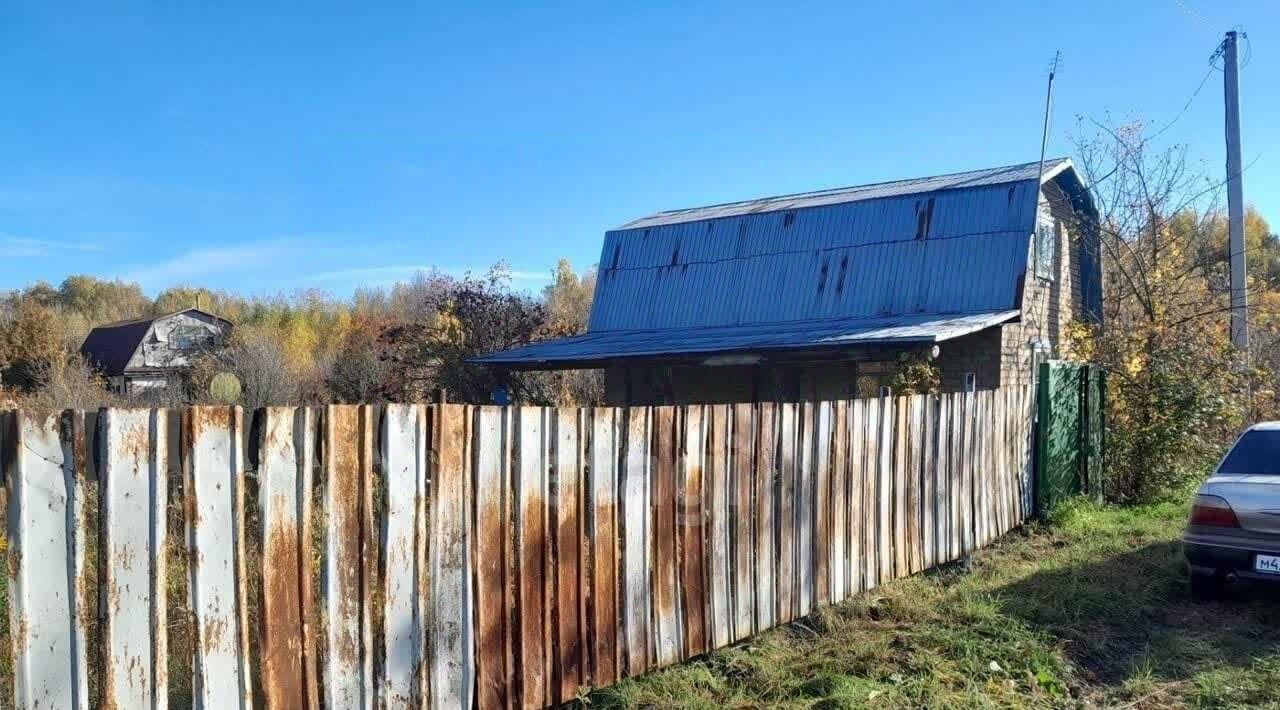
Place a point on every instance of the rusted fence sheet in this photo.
(634, 576)
(666, 633)
(133, 496)
(766, 478)
(690, 517)
(284, 478)
(568, 535)
(347, 474)
(404, 480)
(603, 535)
(717, 514)
(215, 538)
(45, 552)
(449, 631)
(497, 557)
(741, 533)
(530, 470)
(492, 531)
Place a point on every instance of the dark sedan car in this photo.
(1234, 532)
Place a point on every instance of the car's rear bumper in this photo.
(1211, 553)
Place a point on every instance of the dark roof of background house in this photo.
(109, 347)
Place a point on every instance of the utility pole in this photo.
(1235, 198)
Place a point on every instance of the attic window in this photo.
(1043, 248)
(924, 218)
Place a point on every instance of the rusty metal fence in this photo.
(450, 555)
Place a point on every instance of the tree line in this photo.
(401, 343)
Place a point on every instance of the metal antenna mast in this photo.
(1048, 108)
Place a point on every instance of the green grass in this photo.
(1089, 610)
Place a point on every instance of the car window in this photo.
(1257, 452)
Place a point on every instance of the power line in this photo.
(1200, 87)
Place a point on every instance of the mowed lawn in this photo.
(1089, 611)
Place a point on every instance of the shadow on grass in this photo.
(1133, 614)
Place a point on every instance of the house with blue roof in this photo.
(821, 295)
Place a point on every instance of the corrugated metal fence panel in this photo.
(347, 473)
(634, 577)
(492, 556)
(286, 453)
(45, 553)
(603, 535)
(215, 530)
(741, 534)
(449, 613)
(492, 531)
(133, 497)
(403, 444)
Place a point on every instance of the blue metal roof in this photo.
(604, 346)
(912, 252)
(874, 191)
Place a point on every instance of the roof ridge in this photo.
(149, 319)
(824, 192)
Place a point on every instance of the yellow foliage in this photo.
(1134, 366)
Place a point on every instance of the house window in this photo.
(1043, 249)
(970, 382)
(190, 338)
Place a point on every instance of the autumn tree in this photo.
(1176, 389)
(31, 340)
(568, 301)
(68, 381)
(361, 369)
(462, 319)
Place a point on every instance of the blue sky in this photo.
(266, 150)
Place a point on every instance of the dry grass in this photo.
(1091, 611)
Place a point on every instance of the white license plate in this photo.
(1266, 563)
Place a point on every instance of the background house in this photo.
(818, 295)
(146, 353)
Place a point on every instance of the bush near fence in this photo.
(445, 555)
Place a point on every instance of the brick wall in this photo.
(979, 353)
(1048, 306)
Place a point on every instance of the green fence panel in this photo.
(1070, 433)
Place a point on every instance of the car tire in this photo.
(1206, 586)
